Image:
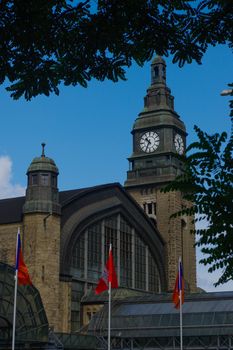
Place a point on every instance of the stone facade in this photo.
(41, 237)
(8, 236)
(65, 290)
(175, 231)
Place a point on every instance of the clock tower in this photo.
(158, 136)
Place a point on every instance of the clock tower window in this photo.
(156, 72)
(150, 208)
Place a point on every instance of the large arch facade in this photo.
(90, 221)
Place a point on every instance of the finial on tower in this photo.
(43, 146)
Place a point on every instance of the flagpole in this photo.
(15, 295)
(109, 308)
(181, 324)
(109, 316)
(180, 297)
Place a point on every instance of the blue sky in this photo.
(87, 131)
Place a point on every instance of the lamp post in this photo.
(226, 92)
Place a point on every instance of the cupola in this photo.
(42, 191)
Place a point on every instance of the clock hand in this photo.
(147, 143)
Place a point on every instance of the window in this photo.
(54, 181)
(134, 264)
(44, 179)
(88, 312)
(125, 254)
(89, 315)
(94, 252)
(34, 179)
(78, 257)
(150, 208)
(156, 72)
(153, 275)
(140, 264)
(110, 236)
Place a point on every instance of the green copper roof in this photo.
(43, 164)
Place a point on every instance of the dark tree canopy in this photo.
(45, 43)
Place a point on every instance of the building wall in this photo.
(41, 237)
(65, 289)
(41, 252)
(189, 252)
(8, 237)
(179, 241)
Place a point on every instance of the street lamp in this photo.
(226, 92)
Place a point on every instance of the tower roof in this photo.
(158, 103)
(43, 163)
(158, 59)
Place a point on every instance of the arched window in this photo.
(150, 209)
(156, 72)
(134, 263)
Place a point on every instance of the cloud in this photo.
(7, 188)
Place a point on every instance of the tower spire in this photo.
(158, 94)
(158, 71)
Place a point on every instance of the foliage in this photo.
(46, 43)
(207, 182)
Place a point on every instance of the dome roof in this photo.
(43, 163)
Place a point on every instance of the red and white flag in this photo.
(108, 276)
(20, 267)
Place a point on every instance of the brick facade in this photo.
(175, 231)
(41, 238)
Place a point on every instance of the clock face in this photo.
(149, 141)
(179, 144)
